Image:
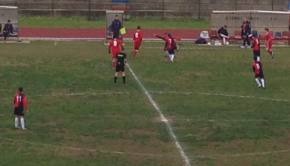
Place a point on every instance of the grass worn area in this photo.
(79, 117)
(83, 22)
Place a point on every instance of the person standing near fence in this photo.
(8, 29)
(245, 32)
(20, 106)
(115, 26)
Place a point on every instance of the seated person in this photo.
(8, 29)
(224, 35)
(203, 38)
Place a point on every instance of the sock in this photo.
(124, 79)
(115, 79)
(258, 82)
(171, 57)
(16, 121)
(224, 41)
(263, 82)
(22, 122)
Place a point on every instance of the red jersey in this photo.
(115, 46)
(20, 100)
(268, 36)
(256, 44)
(138, 36)
(257, 68)
(170, 43)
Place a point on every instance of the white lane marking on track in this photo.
(162, 117)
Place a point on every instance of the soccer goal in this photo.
(277, 21)
(110, 16)
(9, 13)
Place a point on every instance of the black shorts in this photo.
(170, 51)
(260, 75)
(120, 68)
(19, 111)
(256, 54)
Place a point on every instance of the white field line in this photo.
(162, 117)
(242, 96)
(153, 155)
(220, 94)
(96, 93)
(237, 155)
(107, 92)
(228, 120)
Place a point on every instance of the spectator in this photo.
(8, 29)
(115, 26)
(224, 35)
(203, 38)
(245, 32)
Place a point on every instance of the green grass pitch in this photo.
(78, 116)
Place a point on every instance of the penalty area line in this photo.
(162, 117)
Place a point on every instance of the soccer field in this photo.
(79, 117)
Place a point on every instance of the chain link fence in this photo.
(197, 9)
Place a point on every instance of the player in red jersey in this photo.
(259, 74)
(170, 46)
(20, 105)
(115, 47)
(269, 42)
(137, 40)
(256, 46)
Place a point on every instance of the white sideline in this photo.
(162, 117)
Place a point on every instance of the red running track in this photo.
(100, 32)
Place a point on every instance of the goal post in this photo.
(9, 13)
